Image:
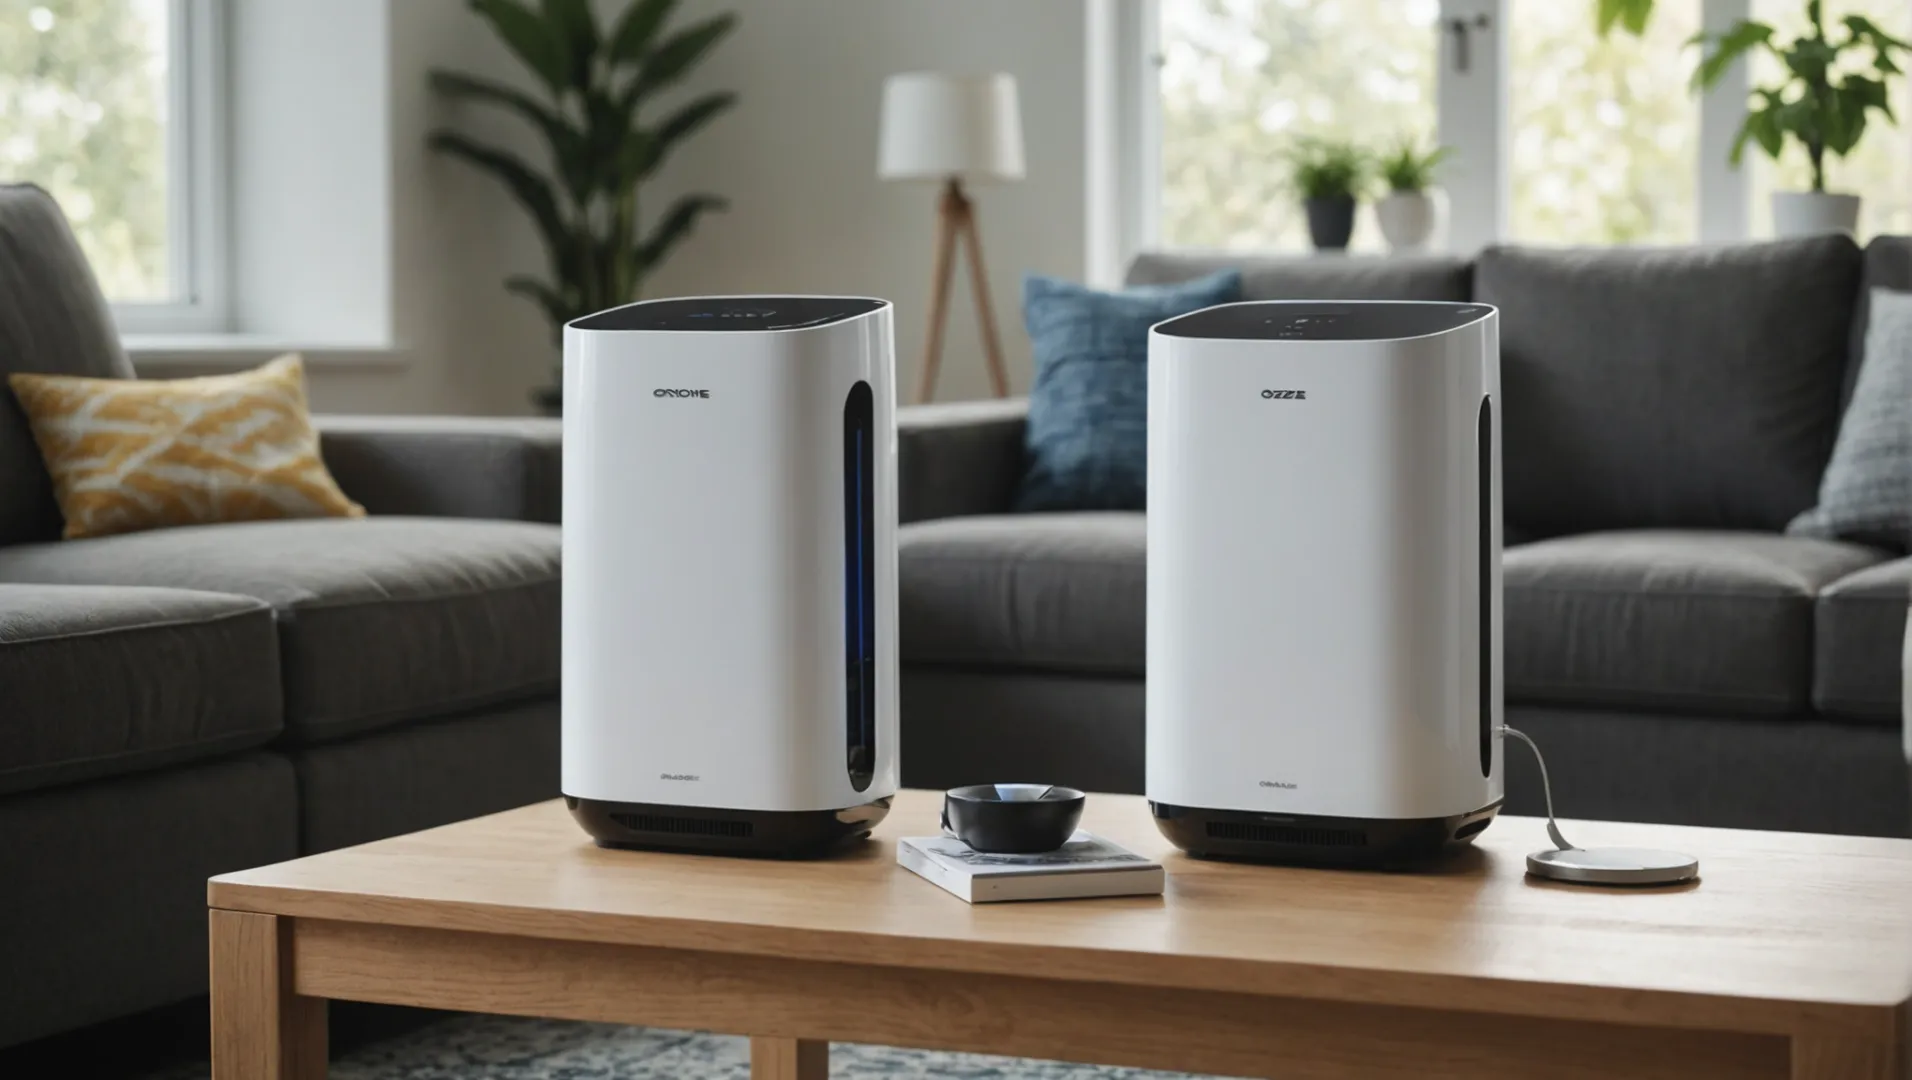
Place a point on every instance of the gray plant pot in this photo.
(1330, 222)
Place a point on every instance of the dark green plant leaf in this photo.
(1327, 168)
(1631, 14)
(1865, 29)
(568, 150)
(1728, 47)
(556, 311)
(576, 29)
(678, 126)
(632, 36)
(676, 55)
(527, 35)
(1407, 167)
(526, 186)
(610, 136)
(674, 226)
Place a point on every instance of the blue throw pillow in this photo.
(1087, 438)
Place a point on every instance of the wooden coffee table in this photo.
(1792, 957)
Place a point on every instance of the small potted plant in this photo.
(1406, 213)
(1328, 174)
(1822, 102)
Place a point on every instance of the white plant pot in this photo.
(1407, 220)
(1806, 213)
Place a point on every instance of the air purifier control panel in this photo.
(731, 313)
(1367, 321)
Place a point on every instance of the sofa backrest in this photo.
(1694, 387)
(1670, 387)
(53, 319)
(1332, 277)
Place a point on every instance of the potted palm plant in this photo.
(1820, 103)
(595, 82)
(1407, 212)
(1329, 175)
(1835, 79)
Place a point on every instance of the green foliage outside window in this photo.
(82, 98)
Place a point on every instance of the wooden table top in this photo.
(1784, 930)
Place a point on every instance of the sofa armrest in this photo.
(432, 466)
(958, 459)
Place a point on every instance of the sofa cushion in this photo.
(53, 320)
(1866, 494)
(381, 619)
(1086, 437)
(99, 681)
(1888, 265)
(1302, 277)
(1669, 388)
(1858, 634)
(1685, 620)
(1054, 592)
(133, 454)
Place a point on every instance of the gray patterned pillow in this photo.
(1866, 494)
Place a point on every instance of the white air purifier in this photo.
(730, 651)
(1324, 679)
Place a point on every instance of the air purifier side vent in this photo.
(1309, 835)
(859, 584)
(686, 826)
(1485, 503)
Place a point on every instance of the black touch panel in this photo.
(731, 313)
(859, 583)
(1315, 320)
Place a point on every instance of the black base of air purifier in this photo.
(790, 834)
(1314, 840)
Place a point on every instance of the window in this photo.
(108, 105)
(1605, 135)
(1240, 78)
(1559, 136)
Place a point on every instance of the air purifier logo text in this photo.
(1285, 395)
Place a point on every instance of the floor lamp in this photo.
(952, 129)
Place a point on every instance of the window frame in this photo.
(196, 163)
(1472, 110)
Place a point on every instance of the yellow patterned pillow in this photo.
(132, 454)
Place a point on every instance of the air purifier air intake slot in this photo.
(1309, 835)
(685, 826)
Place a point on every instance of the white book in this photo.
(1085, 866)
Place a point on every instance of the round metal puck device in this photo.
(1012, 819)
(1613, 866)
(1599, 866)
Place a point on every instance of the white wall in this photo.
(797, 159)
(462, 344)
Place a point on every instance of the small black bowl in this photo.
(1012, 819)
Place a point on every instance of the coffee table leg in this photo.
(789, 1059)
(261, 1030)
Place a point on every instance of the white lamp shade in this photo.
(938, 127)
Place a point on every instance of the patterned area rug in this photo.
(509, 1048)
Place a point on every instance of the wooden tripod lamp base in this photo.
(945, 128)
(956, 220)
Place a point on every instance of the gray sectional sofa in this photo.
(1680, 659)
(186, 702)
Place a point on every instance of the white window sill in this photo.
(237, 351)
